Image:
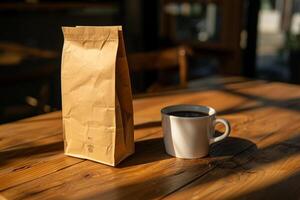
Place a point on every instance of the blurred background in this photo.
(171, 44)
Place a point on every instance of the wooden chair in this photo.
(25, 81)
(161, 61)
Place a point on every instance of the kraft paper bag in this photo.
(96, 95)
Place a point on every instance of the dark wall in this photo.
(150, 24)
(42, 29)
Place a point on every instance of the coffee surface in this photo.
(188, 114)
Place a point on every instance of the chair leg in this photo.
(183, 65)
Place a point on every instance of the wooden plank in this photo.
(35, 152)
(250, 178)
(153, 174)
(30, 130)
(262, 172)
(91, 180)
(178, 172)
(28, 161)
(141, 132)
(27, 151)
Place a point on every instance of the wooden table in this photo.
(261, 159)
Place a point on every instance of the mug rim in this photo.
(211, 112)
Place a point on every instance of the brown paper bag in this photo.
(96, 95)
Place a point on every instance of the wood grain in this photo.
(259, 160)
(269, 170)
(30, 130)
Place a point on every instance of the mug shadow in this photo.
(229, 147)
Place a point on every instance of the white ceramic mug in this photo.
(190, 137)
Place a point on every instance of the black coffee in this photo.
(188, 114)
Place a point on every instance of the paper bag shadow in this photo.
(146, 151)
(150, 124)
(153, 150)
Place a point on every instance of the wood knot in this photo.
(90, 148)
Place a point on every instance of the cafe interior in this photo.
(189, 99)
(171, 45)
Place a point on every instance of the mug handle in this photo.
(225, 134)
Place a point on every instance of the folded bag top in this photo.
(96, 95)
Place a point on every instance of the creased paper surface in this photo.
(96, 95)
